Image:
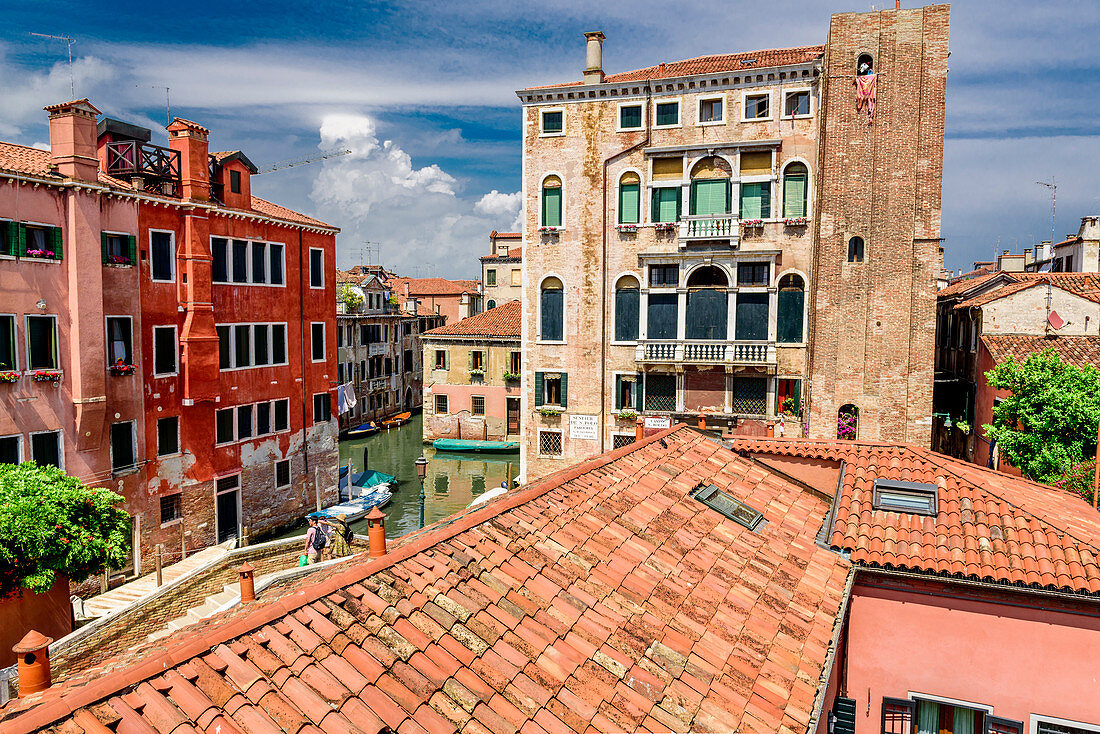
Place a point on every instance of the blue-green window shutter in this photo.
(21, 239)
(618, 392)
(551, 206)
(629, 196)
(56, 242)
(551, 326)
(564, 390)
(790, 307)
(131, 246)
(538, 389)
(752, 316)
(710, 197)
(661, 316)
(626, 314)
(103, 245)
(794, 195)
(706, 314)
(750, 201)
(638, 393)
(666, 204)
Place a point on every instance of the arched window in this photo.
(551, 202)
(795, 178)
(551, 311)
(790, 299)
(491, 304)
(706, 303)
(627, 304)
(847, 422)
(630, 198)
(710, 187)
(855, 250)
(865, 65)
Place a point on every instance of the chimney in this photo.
(376, 533)
(34, 662)
(190, 139)
(73, 139)
(248, 582)
(593, 71)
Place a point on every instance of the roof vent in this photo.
(909, 497)
(746, 62)
(728, 505)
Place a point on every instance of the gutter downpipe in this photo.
(603, 262)
(302, 352)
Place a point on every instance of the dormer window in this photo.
(909, 497)
(235, 181)
(728, 505)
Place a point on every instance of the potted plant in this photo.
(547, 411)
(118, 260)
(752, 222)
(790, 407)
(964, 427)
(665, 227)
(121, 368)
(628, 228)
(46, 375)
(548, 229)
(626, 414)
(511, 377)
(9, 376)
(40, 254)
(796, 221)
(846, 425)
(351, 298)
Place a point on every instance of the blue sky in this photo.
(423, 93)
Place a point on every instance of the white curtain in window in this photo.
(964, 721)
(928, 717)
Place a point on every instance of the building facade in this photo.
(718, 236)
(452, 299)
(502, 269)
(472, 377)
(192, 350)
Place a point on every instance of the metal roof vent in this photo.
(909, 497)
(728, 505)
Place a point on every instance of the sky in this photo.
(423, 94)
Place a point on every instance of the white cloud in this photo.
(418, 216)
(496, 204)
(27, 92)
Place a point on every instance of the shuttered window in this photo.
(551, 202)
(790, 301)
(660, 392)
(710, 197)
(794, 190)
(630, 117)
(668, 113)
(42, 353)
(752, 316)
(552, 389)
(9, 236)
(627, 395)
(756, 200)
(629, 201)
(706, 314)
(552, 303)
(666, 204)
(661, 316)
(118, 249)
(627, 299)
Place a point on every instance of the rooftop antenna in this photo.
(70, 42)
(303, 161)
(167, 100)
(371, 249)
(1053, 200)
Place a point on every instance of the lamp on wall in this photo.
(41, 305)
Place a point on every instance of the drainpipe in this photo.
(302, 348)
(603, 261)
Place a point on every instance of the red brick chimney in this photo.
(73, 139)
(190, 139)
(34, 662)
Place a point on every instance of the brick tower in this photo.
(877, 232)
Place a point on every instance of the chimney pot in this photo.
(593, 70)
(376, 533)
(248, 582)
(34, 662)
(73, 139)
(638, 426)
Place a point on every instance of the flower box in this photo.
(665, 227)
(511, 377)
(628, 228)
(119, 260)
(122, 369)
(796, 221)
(549, 230)
(9, 376)
(550, 412)
(40, 254)
(626, 415)
(752, 222)
(46, 375)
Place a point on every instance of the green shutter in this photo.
(551, 207)
(618, 392)
(666, 204)
(131, 245)
(844, 716)
(710, 197)
(638, 393)
(21, 239)
(564, 390)
(789, 304)
(629, 197)
(794, 195)
(750, 201)
(469, 360)
(538, 389)
(103, 245)
(57, 243)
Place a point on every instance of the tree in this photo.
(1048, 424)
(52, 525)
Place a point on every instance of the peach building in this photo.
(502, 269)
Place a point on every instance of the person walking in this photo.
(341, 536)
(315, 541)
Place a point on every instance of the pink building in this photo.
(452, 299)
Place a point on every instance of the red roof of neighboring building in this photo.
(712, 64)
(1075, 350)
(494, 235)
(1085, 285)
(990, 526)
(603, 598)
(965, 282)
(504, 320)
(433, 286)
(514, 253)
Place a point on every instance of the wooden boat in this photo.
(364, 430)
(353, 509)
(462, 445)
(398, 420)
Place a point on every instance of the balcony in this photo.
(720, 227)
(159, 168)
(706, 352)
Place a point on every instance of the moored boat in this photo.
(462, 445)
(364, 430)
(398, 420)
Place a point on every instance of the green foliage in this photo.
(1078, 480)
(51, 524)
(351, 297)
(1048, 424)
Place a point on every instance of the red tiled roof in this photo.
(1075, 350)
(494, 235)
(602, 599)
(712, 64)
(82, 102)
(433, 286)
(965, 282)
(504, 320)
(281, 212)
(1085, 285)
(990, 526)
(514, 253)
(180, 123)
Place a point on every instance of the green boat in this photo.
(480, 447)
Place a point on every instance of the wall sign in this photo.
(583, 427)
(658, 421)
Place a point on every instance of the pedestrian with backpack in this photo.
(316, 540)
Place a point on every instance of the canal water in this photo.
(452, 482)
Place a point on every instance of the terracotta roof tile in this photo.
(503, 320)
(433, 286)
(1085, 285)
(712, 64)
(630, 601)
(281, 212)
(966, 282)
(1075, 350)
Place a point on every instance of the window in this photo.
(40, 242)
(897, 716)
(515, 362)
(1042, 726)
(752, 274)
(120, 350)
(490, 277)
(757, 107)
(551, 202)
(551, 388)
(316, 268)
(282, 415)
(162, 255)
(244, 422)
(122, 446)
(549, 443)
(322, 407)
(618, 440)
(865, 65)
(240, 261)
(42, 353)
(118, 249)
(756, 200)
(666, 204)
(710, 197)
(553, 122)
(751, 318)
(630, 197)
(11, 449)
(796, 104)
(795, 177)
(282, 473)
(847, 422)
(275, 261)
(317, 341)
(251, 345)
(8, 359)
(711, 110)
(662, 312)
(627, 392)
(477, 360)
(707, 304)
(171, 508)
(788, 397)
(627, 305)
(259, 262)
(46, 448)
(750, 395)
(477, 405)
(224, 426)
(9, 236)
(790, 302)
(668, 114)
(728, 505)
(251, 421)
(168, 436)
(517, 276)
(630, 117)
(909, 497)
(235, 181)
(660, 392)
(855, 250)
(664, 276)
(165, 350)
(551, 310)
(441, 405)
(491, 303)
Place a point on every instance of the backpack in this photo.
(320, 540)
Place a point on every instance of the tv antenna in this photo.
(70, 42)
(1053, 186)
(167, 100)
(371, 249)
(303, 161)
